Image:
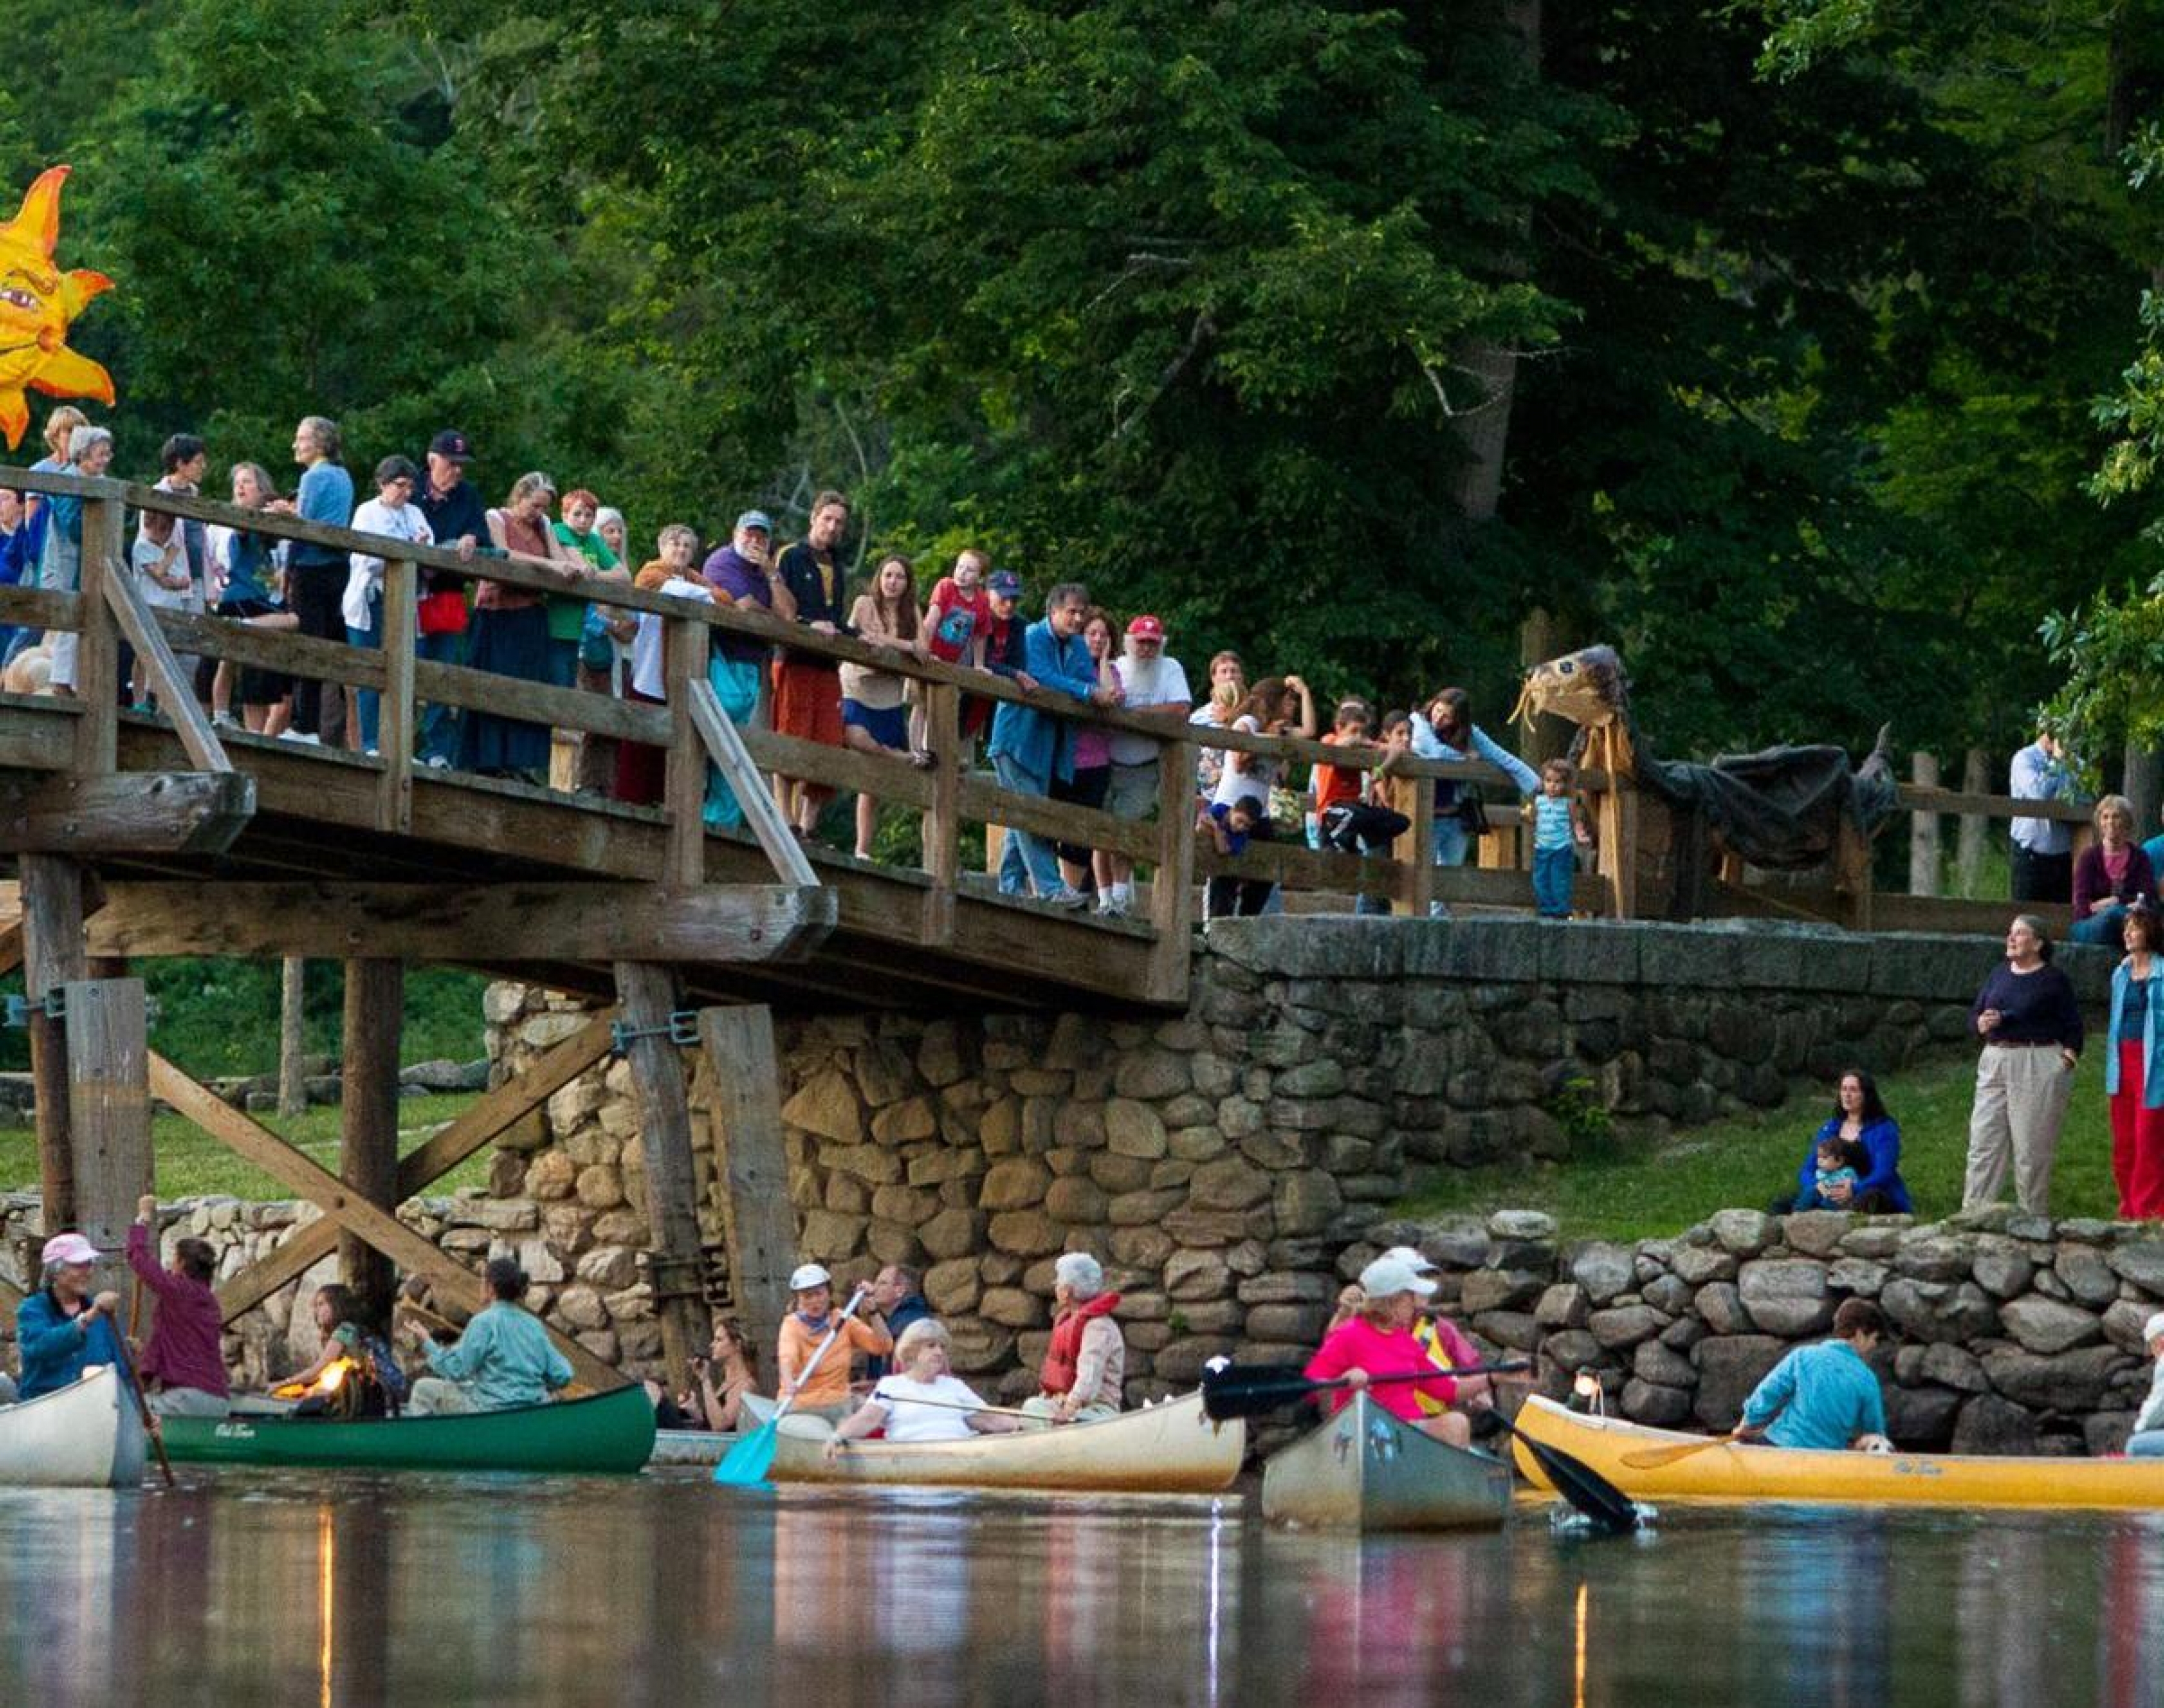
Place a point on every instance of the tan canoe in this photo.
(1364, 1470)
(1168, 1449)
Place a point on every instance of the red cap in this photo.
(1146, 629)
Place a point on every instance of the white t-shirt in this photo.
(906, 1423)
(147, 556)
(365, 581)
(1253, 783)
(646, 645)
(1161, 682)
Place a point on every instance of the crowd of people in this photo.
(971, 618)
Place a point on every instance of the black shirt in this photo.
(452, 516)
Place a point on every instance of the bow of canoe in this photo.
(84, 1436)
(1366, 1469)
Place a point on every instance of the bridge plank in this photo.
(176, 695)
(196, 812)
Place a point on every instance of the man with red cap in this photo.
(1155, 687)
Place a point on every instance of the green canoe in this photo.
(611, 1432)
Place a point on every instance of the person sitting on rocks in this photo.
(183, 1362)
(1084, 1374)
(823, 1390)
(1859, 1118)
(1825, 1397)
(922, 1398)
(1379, 1341)
(2147, 1441)
(504, 1357)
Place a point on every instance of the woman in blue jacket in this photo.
(1859, 1116)
(2131, 1078)
(60, 1328)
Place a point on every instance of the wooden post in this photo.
(368, 1120)
(1172, 895)
(292, 1086)
(1618, 843)
(759, 1223)
(1923, 830)
(1969, 840)
(97, 650)
(2139, 783)
(53, 957)
(943, 819)
(683, 787)
(1417, 847)
(394, 707)
(646, 994)
(109, 1113)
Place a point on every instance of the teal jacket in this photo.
(503, 1358)
(1818, 1396)
(2152, 1082)
(55, 1346)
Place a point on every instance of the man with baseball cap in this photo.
(1155, 686)
(61, 1329)
(2147, 1441)
(458, 521)
(743, 573)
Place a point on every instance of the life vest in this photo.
(1062, 1358)
(1430, 1337)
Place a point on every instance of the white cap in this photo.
(68, 1248)
(808, 1276)
(1391, 1274)
(2153, 1329)
(1412, 1258)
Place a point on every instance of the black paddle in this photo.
(1608, 1506)
(1230, 1390)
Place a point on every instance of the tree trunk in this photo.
(1540, 638)
(1923, 830)
(292, 1089)
(1968, 846)
(2142, 775)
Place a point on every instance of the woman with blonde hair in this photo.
(2110, 873)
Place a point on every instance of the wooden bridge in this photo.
(135, 835)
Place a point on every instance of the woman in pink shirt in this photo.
(1380, 1342)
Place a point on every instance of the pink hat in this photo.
(68, 1248)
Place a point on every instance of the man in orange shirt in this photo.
(823, 1391)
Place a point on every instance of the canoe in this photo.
(1168, 1449)
(611, 1432)
(706, 1446)
(84, 1436)
(1759, 1473)
(1364, 1470)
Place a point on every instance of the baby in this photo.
(1840, 1163)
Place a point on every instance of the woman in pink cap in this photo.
(61, 1329)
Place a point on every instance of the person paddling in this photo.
(183, 1362)
(824, 1391)
(1379, 1341)
(1825, 1397)
(62, 1329)
(504, 1358)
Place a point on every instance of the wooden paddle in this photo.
(750, 1459)
(1650, 1458)
(142, 1405)
(1250, 1390)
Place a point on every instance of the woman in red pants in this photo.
(2133, 1075)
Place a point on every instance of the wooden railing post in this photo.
(942, 821)
(1171, 893)
(1618, 844)
(97, 647)
(684, 787)
(1419, 892)
(394, 707)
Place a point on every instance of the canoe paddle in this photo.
(750, 1459)
(1608, 1506)
(1653, 1457)
(1250, 1390)
(142, 1406)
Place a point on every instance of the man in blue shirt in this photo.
(1030, 747)
(2043, 848)
(1825, 1397)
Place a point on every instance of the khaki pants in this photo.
(1041, 1406)
(434, 1396)
(2021, 1097)
(187, 1402)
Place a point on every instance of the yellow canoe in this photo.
(1737, 1472)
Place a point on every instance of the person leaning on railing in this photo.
(390, 512)
(25, 549)
(641, 768)
(742, 573)
(509, 636)
(593, 647)
(1081, 867)
(807, 689)
(460, 520)
(1151, 685)
(90, 454)
(249, 569)
(1447, 733)
(316, 575)
(875, 713)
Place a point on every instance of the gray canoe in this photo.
(1365, 1470)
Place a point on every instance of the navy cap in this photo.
(1004, 582)
(452, 444)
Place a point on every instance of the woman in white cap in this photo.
(1379, 1341)
(1445, 1343)
(823, 1391)
(2147, 1441)
(1084, 1374)
(61, 1329)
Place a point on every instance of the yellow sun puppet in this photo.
(37, 303)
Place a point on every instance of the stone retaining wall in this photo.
(2016, 1334)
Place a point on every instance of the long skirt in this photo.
(506, 644)
(2137, 1141)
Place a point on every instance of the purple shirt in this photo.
(744, 583)
(185, 1348)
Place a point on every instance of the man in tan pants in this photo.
(2021, 1096)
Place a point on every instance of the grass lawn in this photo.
(1627, 1189)
(191, 1163)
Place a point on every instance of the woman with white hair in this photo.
(922, 1398)
(2147, 1441)
(1380, 1342)
(61, 1329)
(90, 454)
(1084, 1374)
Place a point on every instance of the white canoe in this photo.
(1168, 1449)
(84, 1436)
(707, 1446)
(1364, 1470)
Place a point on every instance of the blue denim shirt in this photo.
(2152, 1082)
(1428, 745)
(1820, 1396)
(1038, 742)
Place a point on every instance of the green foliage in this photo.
(1578, 1109)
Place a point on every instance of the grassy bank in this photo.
(191, 1163)
(1623, 1189)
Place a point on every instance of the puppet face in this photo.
(1587, 687)
(38, 303)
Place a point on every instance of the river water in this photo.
(349, 1590)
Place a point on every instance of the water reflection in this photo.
(346, 1591)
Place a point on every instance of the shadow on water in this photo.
(346, 1589)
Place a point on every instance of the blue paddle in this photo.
(749, 1460)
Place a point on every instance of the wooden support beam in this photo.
(192, 812)
(256, 1144)
(53, 956)
(176, 695)
(744, 1075)
(725, 750)
(684, 766)
(98, 648)
(368, 1118)
(485, 1121)
(1172, 896)
(108, 1113)
(941, 828)
(647, 994)
(395, 710)
(494, 922)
